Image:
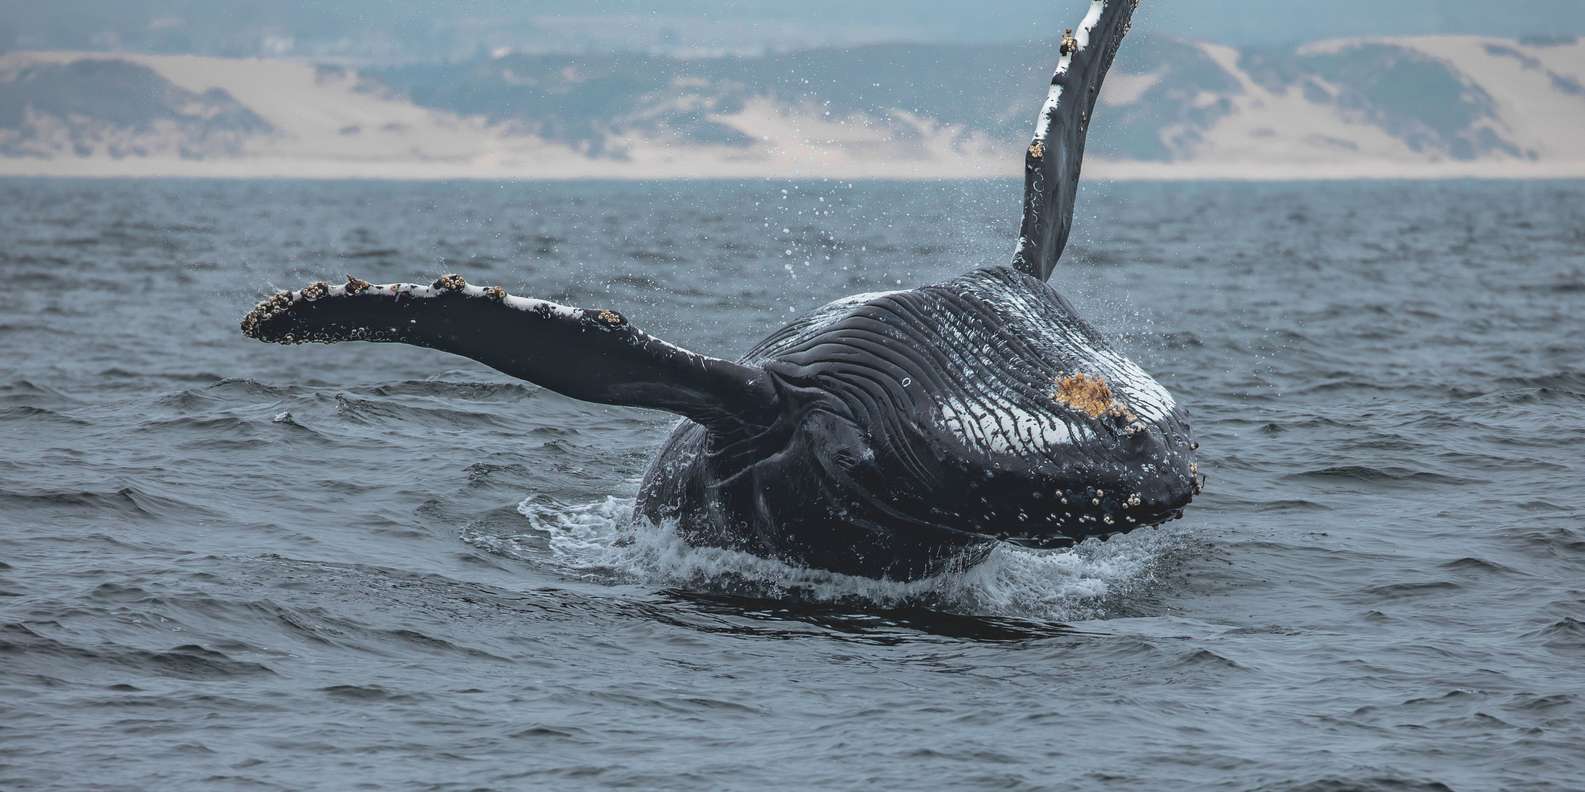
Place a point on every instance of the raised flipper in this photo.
(593, 355)
(1051, 165)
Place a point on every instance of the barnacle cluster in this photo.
(1090, 395)
(267, 309)
(452, 282)
(1093, 397)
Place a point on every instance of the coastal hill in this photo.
(1416, 107)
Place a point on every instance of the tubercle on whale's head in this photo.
(1089, 460)
(1147, 484)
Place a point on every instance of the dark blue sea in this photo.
(226, 564)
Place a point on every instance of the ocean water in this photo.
(225, 564)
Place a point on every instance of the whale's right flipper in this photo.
(593, 355)
(1051, 165)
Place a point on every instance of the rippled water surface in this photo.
(224, 563)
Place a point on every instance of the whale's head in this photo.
(1101, 453)
(1106, 451)
(982, 413)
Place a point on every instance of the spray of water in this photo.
(601, 541)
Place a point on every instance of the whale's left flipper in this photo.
(593, 355)
(1051, 165)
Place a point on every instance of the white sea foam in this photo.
(601, 541)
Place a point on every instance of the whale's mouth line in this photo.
(1060, 541)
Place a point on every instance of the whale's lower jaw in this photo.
(899, 554)
(863, 549)
(792, 503)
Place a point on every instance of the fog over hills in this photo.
(1175, 107)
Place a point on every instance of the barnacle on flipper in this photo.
(611, 317)
(267, 309)
(1037, 149)
(451, 282)
(315, 290)
(356, 285)
(496, 293)
(1070, 44)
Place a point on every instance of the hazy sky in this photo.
(438, 29)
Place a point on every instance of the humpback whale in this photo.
(889, 435)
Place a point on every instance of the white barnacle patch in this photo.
(1091, 19)
(491, 293)
(1053, 100)
(282, 303)
(1079, 42)
(544, 307)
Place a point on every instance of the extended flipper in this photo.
(593, 355)
(1051, 165)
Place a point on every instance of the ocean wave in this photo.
(387, 412)
(126, 501)
(187, 661)
(1382, 476)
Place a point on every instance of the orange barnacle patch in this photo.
(1089, 395)
(1037, 149)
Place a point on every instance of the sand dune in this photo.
(1331, 110)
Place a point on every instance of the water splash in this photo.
(601, 541)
